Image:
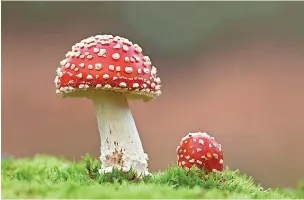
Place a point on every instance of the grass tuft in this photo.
(51, 177)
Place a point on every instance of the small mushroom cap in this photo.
(105, 62)
(200, 150)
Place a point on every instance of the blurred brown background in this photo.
(232, 69)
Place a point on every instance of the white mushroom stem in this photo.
(121, 146)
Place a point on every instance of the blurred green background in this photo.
(232, 69)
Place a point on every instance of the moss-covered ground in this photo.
(51, 177)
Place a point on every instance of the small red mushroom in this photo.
(200, 150)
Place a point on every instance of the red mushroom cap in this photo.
(105, 62)
(200, 150)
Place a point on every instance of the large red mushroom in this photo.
(200, 150)
(109, 71)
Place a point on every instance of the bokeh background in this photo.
(232, 69)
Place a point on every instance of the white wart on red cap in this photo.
(200, 150)
(105, 62)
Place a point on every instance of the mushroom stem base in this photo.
(121, 146)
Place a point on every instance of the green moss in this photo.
(50, 177)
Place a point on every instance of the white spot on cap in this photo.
(157, 87)
(59, 72)
(183, 162)
(68, 54)
(153, 70)
(198, 149)
(67, 65)
(157, 80)
(122, 84)
(191, 161)
(201, 141)
(126, 41)
(146, 64)
(146, 58)
(107, 86)
(146, 70)
(81, 86)
(125, 48)
(77, 54)
(135, 85)
(152, 85)
(89, 57)
(81, 65)
(111, 67)
(215, 156)
(98, 86)
(62, 62)
(139, 71)
(210, 145)
(128, 70)
(89, 77)
(79, 75)
(98, 66)
(57, 81)
(132, 59)
(221, 161)
(116, 38)
(117, 46)
(187, 157)
(136, 58)
(105, 76)
(137, 48)
(90, 66)
(102, 52)
(116, 56)
(96, 50)
(127, 59)
(118, 68)
(199, 162)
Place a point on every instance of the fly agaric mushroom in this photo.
(110, 70)
(200, 150)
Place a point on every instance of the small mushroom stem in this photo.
(121, 146)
